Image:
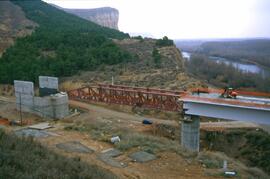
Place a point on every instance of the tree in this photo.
(157, 57)
(165, 41)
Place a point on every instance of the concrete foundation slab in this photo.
(142, 156)
(74, 146)
(111, 161)
(32, 133)
(112, 152)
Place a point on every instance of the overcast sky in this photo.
(185, 19)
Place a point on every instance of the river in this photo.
(245, 67)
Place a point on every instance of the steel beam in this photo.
(227, 111)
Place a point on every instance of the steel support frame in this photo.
(134, 96)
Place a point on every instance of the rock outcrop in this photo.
(105, 16)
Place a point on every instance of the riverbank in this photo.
(245, 66)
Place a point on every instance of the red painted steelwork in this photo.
(244, 93)
(167, 100)
(133, 96)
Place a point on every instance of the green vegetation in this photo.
(23, 158)
(138, 38)
(62, 45)
(157, 57)
(223, 75)
(257, 150)
(256, 51)
(250, 146)
(210, 160)
(165, 41)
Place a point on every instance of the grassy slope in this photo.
(62, 45)
(250, 146)
(24, 158)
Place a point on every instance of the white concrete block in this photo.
(48, 82)
(24, 87)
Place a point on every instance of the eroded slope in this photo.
(13, 24)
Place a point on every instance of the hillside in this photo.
(169, 73)
(61, 45)
(13, 24)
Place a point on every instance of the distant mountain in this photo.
(105, 16)
(192, 45)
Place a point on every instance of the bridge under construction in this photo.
(247, 106)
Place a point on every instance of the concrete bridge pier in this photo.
(190, 133)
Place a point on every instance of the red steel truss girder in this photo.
(142, 97)
(142, 89)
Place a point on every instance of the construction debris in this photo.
(41, 126)
(4, 121)
(115, 139)
(230, 173)
(147, 121)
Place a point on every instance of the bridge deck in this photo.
(257, 102)
(248, 106)
(243, 108)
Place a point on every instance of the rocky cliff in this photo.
(105, 16)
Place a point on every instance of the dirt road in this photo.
(105, 112)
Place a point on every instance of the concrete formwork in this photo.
(51, 106)
(48, 85)
(24, 92)
(48, 82)
(60, 105)
(190, 133)
(24, 87)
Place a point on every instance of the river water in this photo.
(245, 67)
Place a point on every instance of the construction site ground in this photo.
(167, 164)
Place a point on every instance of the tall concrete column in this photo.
(190, 133)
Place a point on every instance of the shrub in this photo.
(157, 57)
(165, 41)
(25, 158)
